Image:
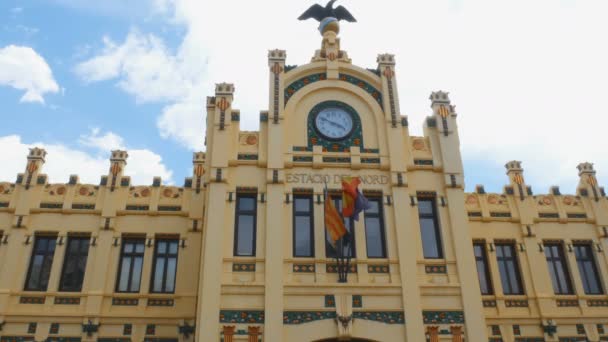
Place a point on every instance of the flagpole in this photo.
(341, 264)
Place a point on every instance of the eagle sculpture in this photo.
(319, 13)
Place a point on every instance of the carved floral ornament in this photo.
(472, 200)
(545, 200)
(571, 201)
(55, 190)
(140, 191)
(248, 139)
(85, 191)
(6, 188)
(497, 200)
(419, 144)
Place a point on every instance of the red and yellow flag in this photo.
(349, 195)
(333, 221)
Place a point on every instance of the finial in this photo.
(585, 167)
(328, 16)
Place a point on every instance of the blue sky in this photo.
(82, 77)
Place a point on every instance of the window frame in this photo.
(486, 266)
(437, 226)
(593, 261)
(47, 254)
(237, 213)
(78, 254)
(131, 255)
(380, 216)
(337, 200)
(311, 215)
(167, 255)
(515, 260)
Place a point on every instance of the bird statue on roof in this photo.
(319, 12)
(328, 16)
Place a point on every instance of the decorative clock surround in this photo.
(354, 137)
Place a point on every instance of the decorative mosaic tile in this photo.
(436, 269)
(378, 269)
(529, 339)
(357, 301)
(243, 267)
(240, 316)
(264, 117)
(370, 160)
(489, 303)
(495, 339)
(423, 162)
(301, 317)
(363, 85)
(573, 339)
(4, 204)
(113, 339)
(81, 206)
(431, 122)
(31, 328)
(496, 330)
(548, 215)
(580, 329)
(51, 205)
(330, 301)
(247, 156)
(127, 329)
(235, 116)
(302, 149)
(160, 302)
(169, 208)
(388, 317)
(67, 300)
(516, 330)
(303, 268)
(17, 339)
(567, 302)
(54, 329)
(63, 339)
(151, 329)
(516, 303)
(125, 301)
(404, 122)
(160, 339)
(443, 317)
(474, 213)
(499, 214)
(138, 207)
(577, 216)
(596, 303)
(600, 329)
(336, 159)
(334, 269)
(302, 159)
(32, 300)
(301, 83)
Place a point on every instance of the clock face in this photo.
(334, 123)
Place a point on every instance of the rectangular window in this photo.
(429, 228)
(245, 225)
(483, 269)
(303, 226)
(374, 229)
(40, 264)
(131, 263)
(165, 266)
(508, 267)
(74, 264)
(558, 268)
(588, 269)
(348, 244)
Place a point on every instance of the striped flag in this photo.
(353, 201)
(333, 221)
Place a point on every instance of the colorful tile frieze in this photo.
(243, 267)
(370, 160)
(127, 329)
(489, 303)
(169, 208)
(600, 329)
(241, 316)
(474, 213)
(32, 300)
(363, 85)
(264, 117)
(151, 329)
(496, 330)
(160, 339)
(529, 339)
(596, 302)
(388, 317)
(63, 339)
(516, 330)
(514, 303)
(235, 117)
(301, 83)
(567, 302)
(423, 162)
(113, 339)
(303, 268)
(161, 302)
(138, 207)
(334, 268)
(31, 328)
(443, 317)
(302, 149)
(357, 301)
(301, 317)
(54, 329)
(80, 206)
(378, 269)
(302, 159)
(67, 300)
(336, 159)
(573, 339)
(580, 329)
(16, 339)
(247, 156)
(51, 205)
(500, 214)
(125, 301)
(330, 301)
(436, 269)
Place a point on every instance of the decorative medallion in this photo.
(388, 317)
(419, 144)
(471, 200)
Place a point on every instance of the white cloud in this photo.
(23, 68)
(62, 161)
(105, 142)
(528, 77)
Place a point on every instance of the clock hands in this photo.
(333, 123)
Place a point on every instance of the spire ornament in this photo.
(328, 16)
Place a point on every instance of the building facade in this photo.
(239, 252)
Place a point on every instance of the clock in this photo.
(334, 123)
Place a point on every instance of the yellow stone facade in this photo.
(272, 295)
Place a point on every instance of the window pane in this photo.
(245, 235)
(124, 274)
(373, 236)
(74, 264)
(302, 204)
(588, 269)
(173, 247)
(171, 270)
(158, 275)
(302, 235)
(430, 242)
(425, 206)
(136, 275)
(128, 247)
(161, 247)
(139, 247)
(246, 204)
(504, 277)
(374, 207)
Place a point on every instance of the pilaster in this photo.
(449, 145)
